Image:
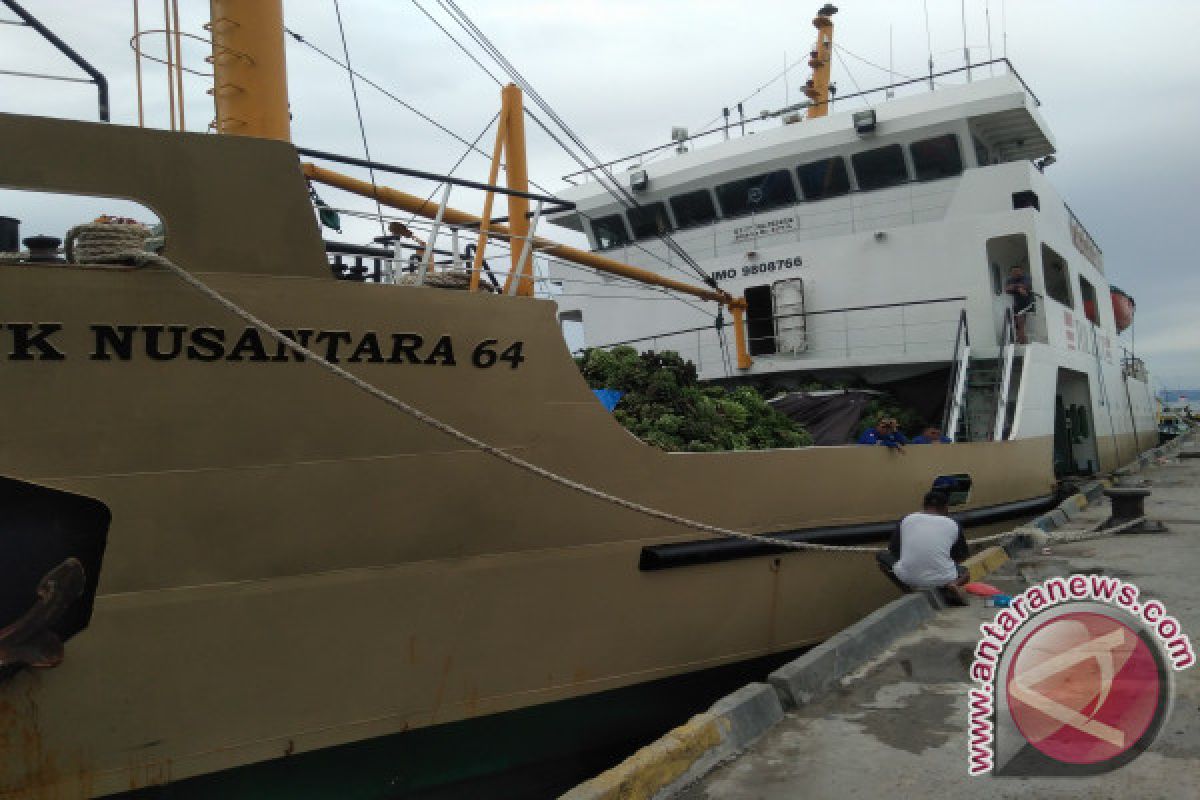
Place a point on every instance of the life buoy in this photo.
(1123, 308)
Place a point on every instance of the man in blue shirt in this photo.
(886, 432)
(932, 435)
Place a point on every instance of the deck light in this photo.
(638, 180)
(679, 136)
(864, 122)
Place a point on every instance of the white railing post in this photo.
(961, 365)
(960, 388)
(526, 248)
(427, 258)
(1006, 356)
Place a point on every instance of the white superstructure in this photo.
(861, 245)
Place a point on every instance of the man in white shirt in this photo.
(926, 548)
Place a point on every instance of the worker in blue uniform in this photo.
(885, 432)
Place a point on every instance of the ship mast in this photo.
(821, 61)
(249, 68)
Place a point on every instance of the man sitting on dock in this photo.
(926, 548)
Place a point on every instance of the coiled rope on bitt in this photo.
(145, 259)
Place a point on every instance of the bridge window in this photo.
(935, 158)
(757, 194)
(880, 168)
(693, 209)
(826, 178)
(649, 221)
(1056, 276)
(610, 232)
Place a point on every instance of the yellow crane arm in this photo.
(403, 201)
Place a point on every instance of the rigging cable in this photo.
(759, 90)
(449, 35)
(383, 91)
(857, 57)
(362, 129)
(861, 95)
(408, 106)
(612, 185)
(471, 147)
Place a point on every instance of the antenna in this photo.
(928, 42)
(966, 50)
(1004, 26)
(890, 93)
(987, 15)
(786, 93)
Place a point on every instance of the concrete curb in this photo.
(685, 754)
(799, 681)
(986, 561)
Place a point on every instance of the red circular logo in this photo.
(1083, 688)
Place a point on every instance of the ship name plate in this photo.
(42, 341)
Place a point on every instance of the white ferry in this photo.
(873, 247)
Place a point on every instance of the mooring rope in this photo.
(97, 241)
(143, 259)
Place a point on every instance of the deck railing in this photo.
(638, 158)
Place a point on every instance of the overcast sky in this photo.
(1117, 81)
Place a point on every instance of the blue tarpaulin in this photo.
(608, 397)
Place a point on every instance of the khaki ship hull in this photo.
(293, 565)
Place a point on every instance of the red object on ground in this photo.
(981, 589)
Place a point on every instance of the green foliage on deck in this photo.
(666, 406)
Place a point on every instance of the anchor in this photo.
(30, 641)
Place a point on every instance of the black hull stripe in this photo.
(711, 551)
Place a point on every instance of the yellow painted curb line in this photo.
(656, 765)
(986, 561)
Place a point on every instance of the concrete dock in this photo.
(882, 709)
(898, 726)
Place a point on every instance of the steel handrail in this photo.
(97, 77)
(726, 324)
(962, 343)
(555, 203)
(1008, 343)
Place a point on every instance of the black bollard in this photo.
(1128, 504)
